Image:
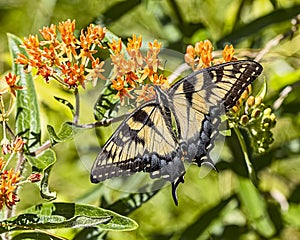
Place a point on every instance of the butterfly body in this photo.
(179, 125)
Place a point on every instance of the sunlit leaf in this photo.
(67, 215)
(43, 164)
(107, 104)
(204, 221)
(28, 118)
(66, 103)
(133, 201)
(247, 30)
(66, 132)
(254, 206)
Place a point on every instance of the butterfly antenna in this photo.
(174, 188)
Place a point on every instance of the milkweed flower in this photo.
(201, 55)
(8, 184)
(133, 69)
(65, 59)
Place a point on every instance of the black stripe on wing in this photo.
(232, 79)
(143, 142)
(202, 97)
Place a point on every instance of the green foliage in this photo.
(66, 132)
(28, 119)
(223, 205)
(67, 215)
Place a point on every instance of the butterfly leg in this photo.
(175, 184)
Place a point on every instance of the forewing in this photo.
(143, 142)
(200, 99)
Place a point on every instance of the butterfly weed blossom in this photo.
(11, 145)
(249, 112)
(65, 59)
(8, 185)
(134, 69)
(201, 55)
(62, 56)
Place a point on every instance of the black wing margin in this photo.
(202, 97)
(143, 142)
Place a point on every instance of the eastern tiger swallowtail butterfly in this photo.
(179, 124)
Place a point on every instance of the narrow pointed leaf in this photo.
(28, 118)
(133, 201)
(277, 16)
(255, 208)
(67, 215)
(204, 221)
(43, 164)
(107, 104)
(66, 103)
(66, 132)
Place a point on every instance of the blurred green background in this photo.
(223, 205)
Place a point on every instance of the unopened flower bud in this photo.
(258, 100)
(250, 101)
(244, 120)
(255, 113)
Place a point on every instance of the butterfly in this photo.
(179, 125)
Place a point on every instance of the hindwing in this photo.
(202, 97)
(143, 142)
(147, 141)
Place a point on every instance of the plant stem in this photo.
(246, 156)
(77, 106)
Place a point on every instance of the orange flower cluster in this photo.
(9, 84)
(65, 60)
(200, 56)
(133, 68)
(8, 185)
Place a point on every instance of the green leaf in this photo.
(66, 132)
(204, 221)
(116, 11)
(67, 215)
(28, 117)
(255, 208)
(66, 103)
(133, 201)
(43, 161)
(91, 233)
(45, 191)
(277, 16)
(249, 165)
(35, 235)
(263, 91)
(43, 164)
(107, 104)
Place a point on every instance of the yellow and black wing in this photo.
(202, 97)
(148, 139)
(143, 142)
